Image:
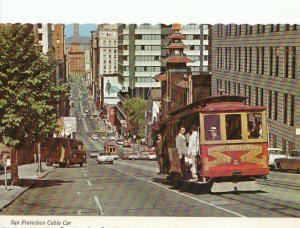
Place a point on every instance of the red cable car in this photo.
(232, 138)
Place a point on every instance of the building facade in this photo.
(139, 57)
(197, 40)
(260, 61)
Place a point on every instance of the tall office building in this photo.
(139, 57)
(260, 61)
(197, 39)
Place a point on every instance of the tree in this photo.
(135, 110)
(29, 93)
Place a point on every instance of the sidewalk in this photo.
(27, 173)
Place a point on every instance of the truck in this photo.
(63, 151)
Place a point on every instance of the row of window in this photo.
(147, 69)
(234, 30)
(108, 42)
(159, 37)
(284, 145)
(126, 79)
(146, 58)
(244, 58)
(257, 95)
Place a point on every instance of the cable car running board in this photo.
(235, 186)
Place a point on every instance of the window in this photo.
(271, 61)
(292, 110)
(277, 27)
(239, 68)
(249, 95)
(272, 28)
(286, 72)
(294, 62)
(233, 127)
(270, 104)
(255, 130)
(257, 60)
(235, 58)
(256, 96)
(276, 105)
(262, 60)
(277, 65)
(245, 60)
(285, 108)
(212, 127)
(250, 59)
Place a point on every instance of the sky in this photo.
(84, 29)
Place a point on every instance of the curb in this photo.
(25, 189)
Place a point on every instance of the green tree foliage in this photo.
(29, 93)
(135, 110)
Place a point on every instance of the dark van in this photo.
(63, 151)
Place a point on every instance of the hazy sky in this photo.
(84, 29)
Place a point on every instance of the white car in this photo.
(105, 158)
(115, 156)
(273, 154)
(94, 137)
(94, 153)
(112, 138)
(133, 156)
(151, 156)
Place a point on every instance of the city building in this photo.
(139, 53)
(198, 42)
(43, 35)
(260, 62)
(88, 67)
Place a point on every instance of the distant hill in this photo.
(83, 40)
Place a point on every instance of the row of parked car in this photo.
(128, 154)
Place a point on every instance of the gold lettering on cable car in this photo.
(221, 158)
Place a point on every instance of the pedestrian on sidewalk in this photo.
(158, 149)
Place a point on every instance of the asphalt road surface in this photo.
(133, 188)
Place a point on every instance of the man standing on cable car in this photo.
(192, 151)
(182, 150)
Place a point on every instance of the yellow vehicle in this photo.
(100, 130)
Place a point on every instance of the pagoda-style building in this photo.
(179, 86)
(175, 82)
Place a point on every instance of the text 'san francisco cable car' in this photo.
(237, 156)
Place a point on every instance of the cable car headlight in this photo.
(235, 161)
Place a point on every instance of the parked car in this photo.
(105, 158)
(291, 162)
(274, 153)
(120, 141)
(127, 144)
(151, 156)
(144, 155)
(63, 151)
(94, 137)
(133, 156)
(103, 137)
(94, 153)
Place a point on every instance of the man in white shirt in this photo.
(193, 151)
(182, 150)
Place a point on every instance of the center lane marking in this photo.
(100, 208)
(198, 200)
(89, 183)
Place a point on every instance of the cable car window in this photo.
(255, 130)
(212, 127)
(233, 127)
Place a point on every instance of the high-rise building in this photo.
(197, 39)
(58, 41)
(260, 62)
(43, 33)
(139, 57)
